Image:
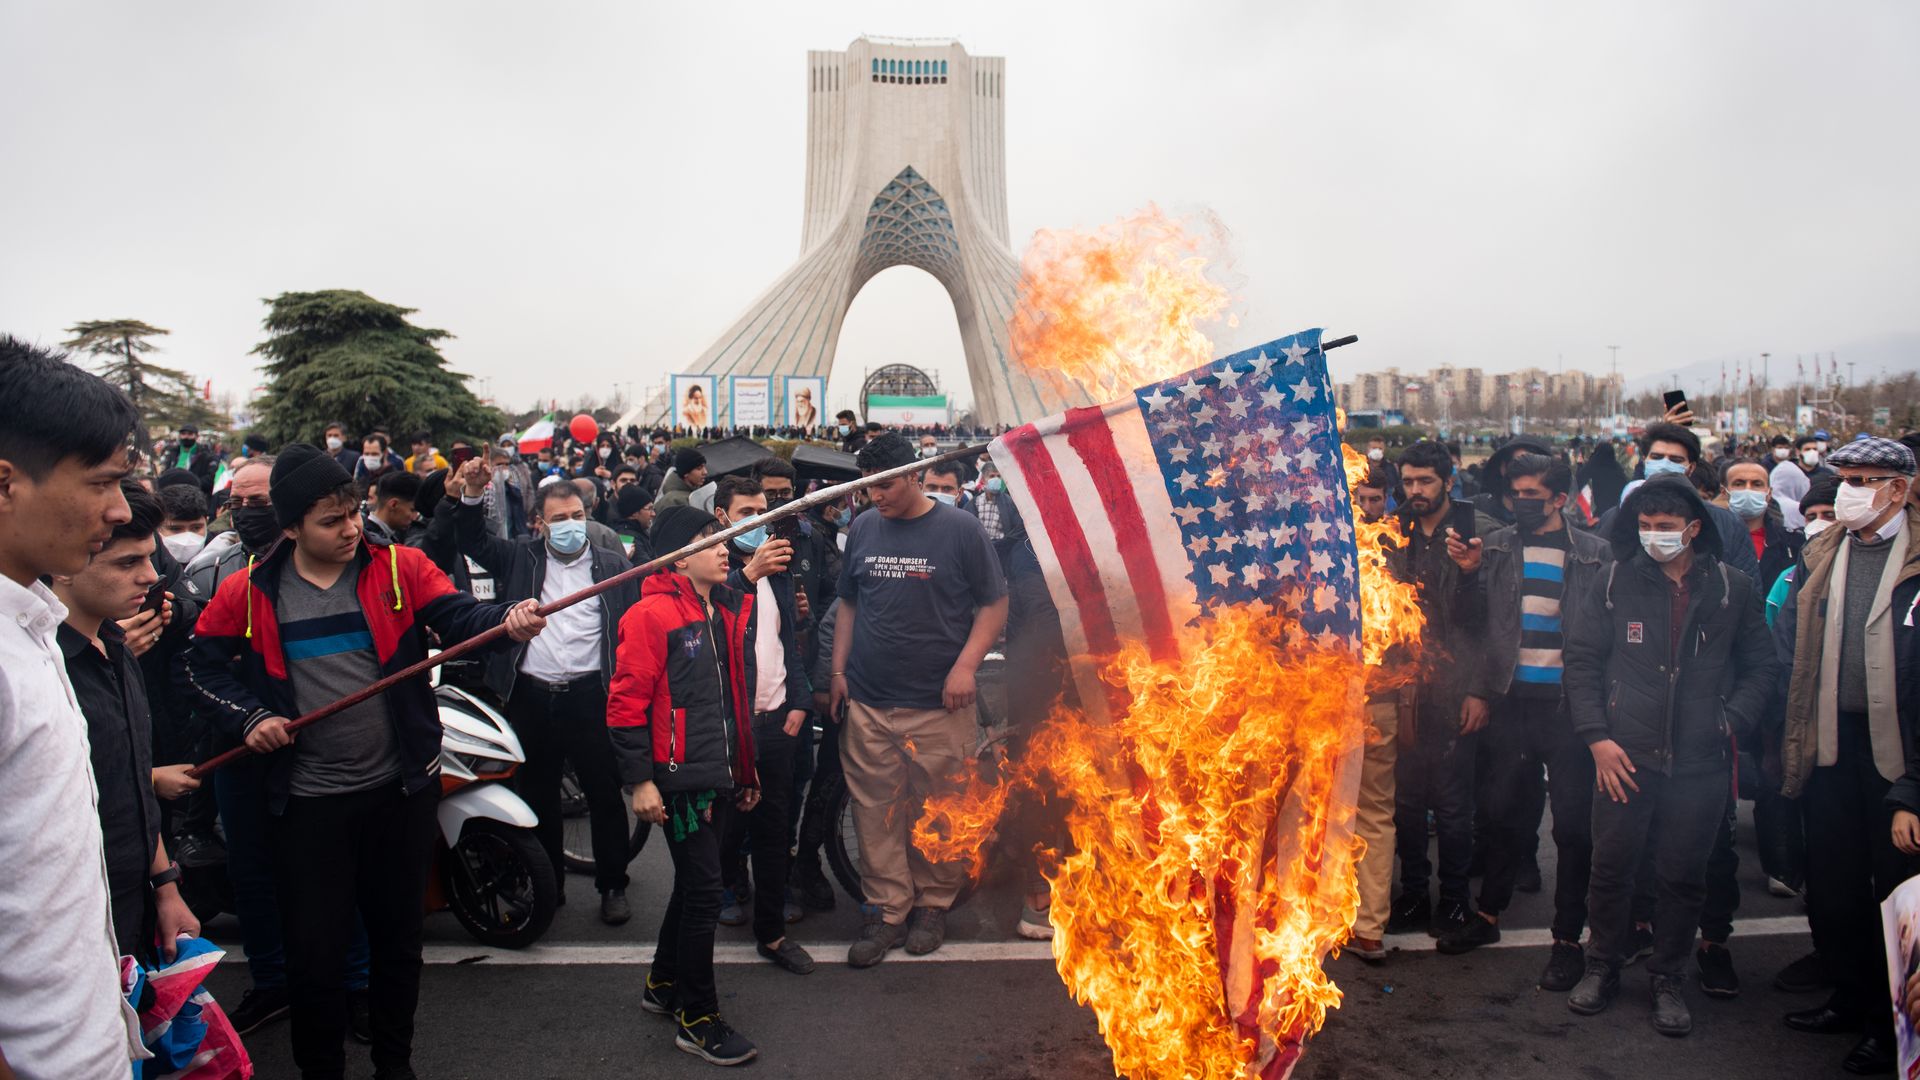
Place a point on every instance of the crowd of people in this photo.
(172, 604)
(1616, 630)
(1638, 636)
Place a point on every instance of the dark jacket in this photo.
(1455, 604)
(1670, 710)
(1735, 549)
(1905, 793)
(237, 668)
(200, 463)
(519, 569)
(1500, 575)
(679, 700)
(113, 698)
(799, 686)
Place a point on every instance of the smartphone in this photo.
(460, 456)
(1675, 398)
(787, 528)
(155, 596)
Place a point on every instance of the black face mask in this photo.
(258, 527)
(777, 501)
(1529, 514)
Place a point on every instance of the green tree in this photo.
(339, 354)
(165, 397)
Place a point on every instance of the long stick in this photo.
(492, 634)
(487, 637)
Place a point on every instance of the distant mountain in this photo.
(1897, 353)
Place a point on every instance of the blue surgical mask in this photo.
(996, 485)
(567, 537)
(1748, 504)
(844, 429)
(752, 538)
(1664, 467)
(941, 496)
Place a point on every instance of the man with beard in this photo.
(1441, 554)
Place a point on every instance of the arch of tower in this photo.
(906, 166)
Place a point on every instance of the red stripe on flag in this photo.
(1069, 542)
(1091, 438)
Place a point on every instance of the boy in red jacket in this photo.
(677, 712)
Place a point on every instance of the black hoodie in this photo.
(1675, 702)
(1493, 480)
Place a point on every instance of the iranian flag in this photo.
(538, 437)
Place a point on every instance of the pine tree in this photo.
(340, 355)
(164, 396)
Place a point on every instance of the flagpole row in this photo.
(493, 634)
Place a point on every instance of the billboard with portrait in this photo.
(750, 400)
(693, 401)
(805, 396)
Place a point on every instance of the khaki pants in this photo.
(894, 759)
(1373, 820)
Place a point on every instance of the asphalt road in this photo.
(990, 1006)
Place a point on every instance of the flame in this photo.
(1223, 779)
(1106, 311)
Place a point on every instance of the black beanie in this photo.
(887, 450)
(1823, 489)
(688, 460)
(676, 527)
(177, 476)
(303, 474)
(630, 501)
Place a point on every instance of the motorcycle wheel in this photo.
(576, 839)
(843, 852)
(500, 884)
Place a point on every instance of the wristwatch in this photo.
(169, 876)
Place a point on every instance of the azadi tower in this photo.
(906, 165)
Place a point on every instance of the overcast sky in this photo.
(587, 193)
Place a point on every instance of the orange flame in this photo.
(1107, 311)
(1177, 801)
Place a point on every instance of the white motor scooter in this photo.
(492, 872)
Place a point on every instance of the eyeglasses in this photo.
(1868, 481)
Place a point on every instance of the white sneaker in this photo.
(1781, 889)
(1033, 924)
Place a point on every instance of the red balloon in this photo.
(583, 428)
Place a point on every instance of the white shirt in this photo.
(570, 645)
(769, 655)
(65, 1017)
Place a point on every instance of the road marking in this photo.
(831, 952)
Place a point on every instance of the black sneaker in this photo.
(875, 939)
(1670, 1015)
(1803, 976)
(1529, 879)
(789, 955)
(657, 997)
(1596, 988)
(709, 1037)
(1451, 917)
(816, 892)
(1716, 971)
(1411, 914)
(926, 930)
(194, 850)
(1639, 945)
(360, 1017)
(257, 1008)
(1478, 931)
(1564, 967)
(614, 909)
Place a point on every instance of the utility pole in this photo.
(1611, 420)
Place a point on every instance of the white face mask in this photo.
(1811, 458)
(1375, 454)
(1854, 507)
(184, 546)
(1781, 453)
(1663, 547)
(1816, 526)
(335, 442)
(372, 461)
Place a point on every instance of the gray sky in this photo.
(588, 193)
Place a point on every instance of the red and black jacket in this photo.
(676, 708)
(236, 670)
